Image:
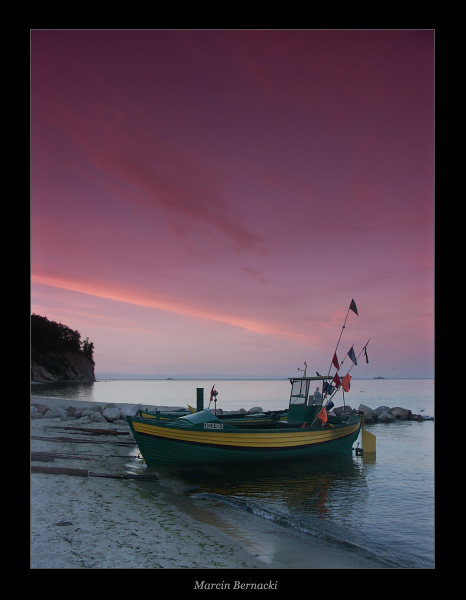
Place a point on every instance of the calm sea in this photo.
(382, 507)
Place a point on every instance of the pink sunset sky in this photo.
(208, 203)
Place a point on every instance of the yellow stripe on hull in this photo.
(275, 439)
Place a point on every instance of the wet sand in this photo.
(99, 523)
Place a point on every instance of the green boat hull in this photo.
(169, 444)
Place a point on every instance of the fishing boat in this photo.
(303, 431)
(202, 437)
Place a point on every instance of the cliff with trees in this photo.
(58, 354)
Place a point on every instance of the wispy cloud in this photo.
(138, 297)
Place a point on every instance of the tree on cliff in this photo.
(49, 336)
(88, 348)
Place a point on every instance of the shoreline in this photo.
(89, 522)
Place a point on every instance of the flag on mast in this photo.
(345, 382)
(353, 307)
(337, 380)
(323, 415)
(352, 355)
(212, 394)
(335, 361)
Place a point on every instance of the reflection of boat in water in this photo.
(295, 483)
(306, 496)
(202, 437)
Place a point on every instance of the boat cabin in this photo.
(305, 398)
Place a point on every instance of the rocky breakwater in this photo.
(381, 414)
(108, 413)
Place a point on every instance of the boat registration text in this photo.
(213, 425)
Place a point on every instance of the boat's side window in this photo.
(299, 391)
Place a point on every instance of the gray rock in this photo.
(42, 408)
(382, 409)
(369, 413)
(37, 415)
(255, 410)
(97, 417)
(120, 422)
(111, 413)
(340, 411)
(57, 412)
(386, 417)
(130, 410)
(33, 410)
(401, 413)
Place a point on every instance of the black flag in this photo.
(365, 354)
(353, 307)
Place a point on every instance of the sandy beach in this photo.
(96, 522)
(99, 522)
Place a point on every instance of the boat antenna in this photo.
(305, 367)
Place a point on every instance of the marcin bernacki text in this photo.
(236, 585)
